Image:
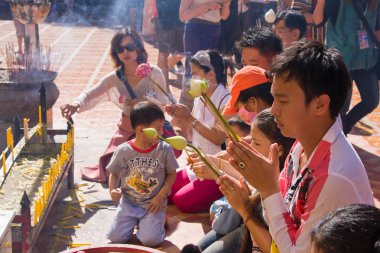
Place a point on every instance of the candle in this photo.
(4, 164)
(45, 189)
(38, 209)
(42, 197)
(55, 168)
(39, 115)
(48, 182)
(10, 140)
(26, 129)
(75, 245)
(35, 220)
(58, 164)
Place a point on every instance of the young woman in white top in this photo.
(189, 193)
(127, 52)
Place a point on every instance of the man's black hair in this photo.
(317, 70)
(352, 228)
(266, 41)
(144, 113)
(293, 20)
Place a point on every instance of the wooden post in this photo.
(16, 129)
(26, 223)
(43, 103)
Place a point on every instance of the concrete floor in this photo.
(85, 59)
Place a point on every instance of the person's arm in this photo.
(169, 181)
(114, 167)
(261, 235)
(90, 98)
(294, 236)
(156, 203)
(214, 134)
(115, 191)
(171, 166)
(225, 11)
(318, 15)
(187, 12)
(325, 10)
(238, 197)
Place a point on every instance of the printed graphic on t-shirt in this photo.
(137, 182)
(142, 176)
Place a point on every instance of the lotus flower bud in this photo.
(270, 16)
(150, 132)
(177, 142)
(197, 87)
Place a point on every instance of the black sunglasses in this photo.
(130, 48)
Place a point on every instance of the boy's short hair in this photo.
(317, 70)
(236, 121)
(265, 40)
(293, 20)
(144, 113)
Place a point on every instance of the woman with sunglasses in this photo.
(127, 52)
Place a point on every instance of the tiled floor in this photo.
(85, 59)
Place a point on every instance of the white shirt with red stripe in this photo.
(333, 176)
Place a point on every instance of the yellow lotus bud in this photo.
(177, 142)
(150, 132)
(197, 87)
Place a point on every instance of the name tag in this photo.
(363, 39)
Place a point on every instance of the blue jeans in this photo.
(217, 243)
(151, 225)
(366, 81)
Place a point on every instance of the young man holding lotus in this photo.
(146, 169)
(323, 171)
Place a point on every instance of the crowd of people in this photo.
(288, 100)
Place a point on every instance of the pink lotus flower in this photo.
(143, 70)
(122, 98)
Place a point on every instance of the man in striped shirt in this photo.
(323, 171)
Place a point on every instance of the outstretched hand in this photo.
(261, 172)
(68, 110)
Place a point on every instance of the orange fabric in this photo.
(245, 78)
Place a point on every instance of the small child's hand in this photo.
(116, 195)
(156, 203)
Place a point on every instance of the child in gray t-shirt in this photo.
(146, 169)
